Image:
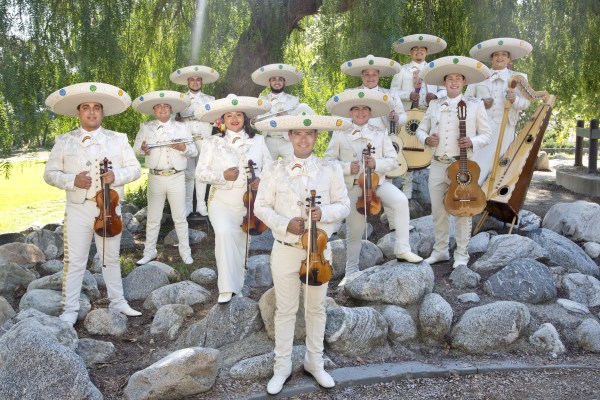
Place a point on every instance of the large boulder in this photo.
(14, 237)
(529, 221)
(169, 318)
(89, 285)
(24, 254)
(354, 331)
(588, 335)
(102, 321)
(49, 242)
(94, 351)
(203, 276)
(421, 238)
(370, 255)
(435, 318)
(194, 236)
(547, 338)
(262, 242)
(503, 249)
(524, 280)
(127, 240)
(6, 310)
(579, 221)
(13, 277)
(143, 280)
(401, 326)
(490, 327)
(259, 271)
(463, 278)
(583, 289)
(50, 302)
(65, 333)
(185, 292)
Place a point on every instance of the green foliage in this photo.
(138, 196)
(127, 265)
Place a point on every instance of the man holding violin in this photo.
(74, 166)
(347, 147)
(281, 204)
(167, 146)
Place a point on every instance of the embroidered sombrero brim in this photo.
(385, 66)
(65, 101)
(145, 103)
(291, 74)
(251, 106)
(318, 122)
(434, 44)
(517, 48)
(208, 74)
(474, 71)
(340, 104)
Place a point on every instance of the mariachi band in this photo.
(256, 157)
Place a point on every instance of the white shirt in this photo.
(165, 157)
(403, 81)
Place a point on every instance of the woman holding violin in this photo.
(223, 164)
(281, 203)
(366, 153)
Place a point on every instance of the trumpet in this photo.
(170, 142)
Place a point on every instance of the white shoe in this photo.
(322, 377)
(145, 260)
(436, 258)
(130, 312)
(276, 383)
(410, 257)
(224, 297)
(69, 317)
(188, 260)
(202, 209)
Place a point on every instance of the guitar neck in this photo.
(462, 128)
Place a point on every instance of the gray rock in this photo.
(401, 326)
(185, 372)
(583, 289)
(421, 189)
(370, 255)
(94, 351)
(102, 321)
(36, 365)
(64, 333)
(96, 266)
(12, 277)
(259, 271)
(338, 258)
(203, 276)
(525, 280)
(169, 318)
(100, 281)
(468, 298)
(89, 285)
(435, 317)
(170, 271)
(504, 249)
(557, 275)
(261, 367)
(129, 208)
(14, 237)
(463, 278)
(479, 243)
(490, 224)
(23, 254)
(127, 240)
(529, 221)
(542, 162)
(564, 252)
(393, 283)
(143, 280)
(573, 306)
(49, 242)
(142, 215)
(6, 310)
(262, 242)
(130, 222)
(185, 292)
(195, 237)
(579, 221)
(421, 238)
(354, 331)
(490, 327)
(52, 266)
(547, 338)
(588, 335)
(592, 249)
(49, 302)
(343, 231)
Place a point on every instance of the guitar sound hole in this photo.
(529, 138)
(463, 178)
(503, 191)
(411, 126)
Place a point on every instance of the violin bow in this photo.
(248, 222)
(307, 261)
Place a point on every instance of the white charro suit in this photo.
(384, 121)
(277, 141)
(73, 153)
(170, 187)
(225, 202)
(496, 87)
(442, 119)
(347, 146)
(282, 196)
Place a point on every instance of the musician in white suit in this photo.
(195, 76)
(494, 92)
(347, 146)
(439, 129)
(74, 166)
(277, 77)
(223, 164)
(281, 204)
(166, 166)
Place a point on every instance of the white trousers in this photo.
(226, 211)
(407, 184)
(396, 205)
(438, 185)
(173, 189)
(78, 233)
(485, 157)
(278, 146)
(285, 268)
(191, 182)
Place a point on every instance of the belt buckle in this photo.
(167, 172)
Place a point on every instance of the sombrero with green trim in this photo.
(251, 106)
(434, 44)
(305, 118)
(379, 102)
(291, 74)
(385, 66)
(208, 74)
(65, 101)
(474, 71)
(145, 103)
(517, 48)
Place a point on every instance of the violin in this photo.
(108, 223)
(251, 224)
(368, 203)
(315, 241)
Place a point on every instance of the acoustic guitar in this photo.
(417, 155)
(464, 197)
(398, 145)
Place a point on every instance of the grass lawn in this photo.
(26, 198)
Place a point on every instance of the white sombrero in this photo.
(291, 74)
(434, 44)
(304, 118)
(208, 74)
(145, 103)
(385, 66)
(65, 101)
(251, 106)
(517, 48)
(379, 102)
(474, 71)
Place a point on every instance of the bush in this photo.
(138, 197)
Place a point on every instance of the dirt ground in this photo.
(137, 349)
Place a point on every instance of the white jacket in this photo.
(199, 129)
(403, 82)
(165, 157)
